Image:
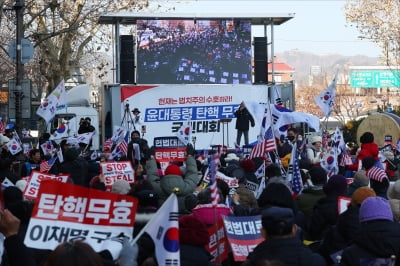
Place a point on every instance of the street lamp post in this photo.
(19, 11)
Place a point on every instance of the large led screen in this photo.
(193, 52)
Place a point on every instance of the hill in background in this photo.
(306, 63)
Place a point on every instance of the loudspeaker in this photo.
(260, 60)
(127, 60)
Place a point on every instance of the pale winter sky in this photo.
(319, 26)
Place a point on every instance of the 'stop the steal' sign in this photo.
(114, 171)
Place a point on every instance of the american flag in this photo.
(376, 173)
(213, 165)
(294, 175)
(45, 166)
(107, 145)
(266, 145)
(122, 148)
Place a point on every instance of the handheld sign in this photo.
(67, 212)
(34, 181)
(114, 171)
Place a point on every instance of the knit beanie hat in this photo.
(361, 177)
(393, 191)
(375, 208)
(337, 185)
(248, 165)
(192, 231)
(360, 194)
(173, 169)
(121, 187)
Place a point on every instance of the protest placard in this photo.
(114, 171)
(35, 179)
(67, 212)
(243, 233)
(218, 243)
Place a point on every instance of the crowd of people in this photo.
(306, 229)
(206, 56)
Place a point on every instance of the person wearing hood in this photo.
(378, 237)
(173, 180)
(345, 231)
(325, 211)
(193, 236)
(368, 149)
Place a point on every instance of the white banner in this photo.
(165, 108)
(66, 212)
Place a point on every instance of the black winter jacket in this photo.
(376, 239)
(290, 251)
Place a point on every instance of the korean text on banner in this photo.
(243, 234)
(66, 212)
(218, 244)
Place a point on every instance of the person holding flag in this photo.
(174, 181)
(33, 163)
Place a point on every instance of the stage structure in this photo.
(193, 48)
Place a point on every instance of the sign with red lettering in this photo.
(170, 154)
(218, 244)
(243, 234)
(33, 184)
(114, 171)
(67, 212)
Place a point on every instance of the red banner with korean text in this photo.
(243, 233)
(218, 243)
(67, 212)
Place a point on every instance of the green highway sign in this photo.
(375, 78)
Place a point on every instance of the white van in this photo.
(78, 106)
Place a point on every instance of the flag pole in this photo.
(277, 158)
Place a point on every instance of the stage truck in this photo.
(165, 108)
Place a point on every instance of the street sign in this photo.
(375, 78)
(27, 50)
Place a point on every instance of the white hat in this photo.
(315, 139)
(231, 157)
(3, 139)
(21, 184)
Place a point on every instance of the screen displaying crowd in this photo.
(194, 52)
